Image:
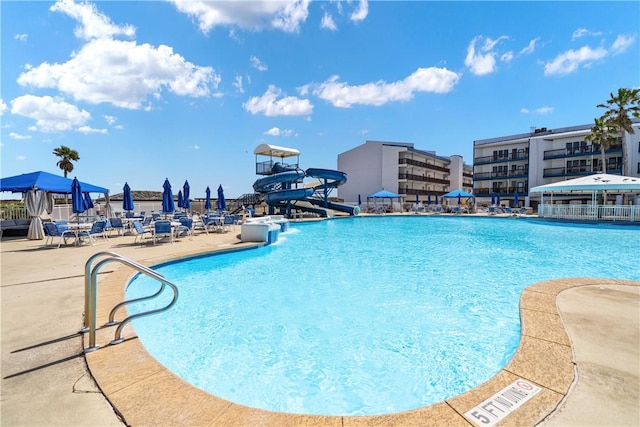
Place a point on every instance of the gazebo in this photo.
(598, 185)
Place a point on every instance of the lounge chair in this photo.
(140, 231)
(162, 228)
(53, 230)
(185, 227)
(117, 225)
(98, 228)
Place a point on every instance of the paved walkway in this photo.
(45, 380)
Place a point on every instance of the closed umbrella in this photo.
(88, 203)
(222, 203)
(493, 199)
(180, 199)
(186, 203)
(359, 200)
(428, 199)
(77, 200)
(437, 199)
(207, 201)
(167, 198)
(515, 199)
(417, 199)
(498, 200)
(127, 198)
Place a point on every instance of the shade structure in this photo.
(456, 194)
(186, 203)
(44, 181)
(384, 194)
(180, 199)
(222, 203)
(515, 199)
(127, 198)
(77, 199)
(167, 198)
(207, 200)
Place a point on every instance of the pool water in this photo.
(367, 315)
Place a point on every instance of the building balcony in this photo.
(420, 178)
(411, 162)
(586, 150)
(497, 159)
(517, 173)
(580, 171)
(502, 192)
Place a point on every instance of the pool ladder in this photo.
(90, 296)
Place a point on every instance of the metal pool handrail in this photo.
(91, 296)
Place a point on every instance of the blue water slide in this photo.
(269, 183)
(282, 196)
(333, 178)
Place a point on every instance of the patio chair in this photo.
(185, 228)
(98, 228)
(117, 225)
(53, 230)
(162, 228)
(140, 231)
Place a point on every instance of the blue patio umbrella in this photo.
(515, 199)
(436, 199)
(207, 201)
(88, 203)
(429, 199)
(493, 199)
(180, 199)
(359, 200)
(186, 203)
(127, 198)
(417, 199)
(222, 203)
(167, 198)
(77, 200)
(498, 199)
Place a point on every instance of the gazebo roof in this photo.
(596, 182)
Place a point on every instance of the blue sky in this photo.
(187, 89)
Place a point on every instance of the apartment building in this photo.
(401, 168)
(505, 165)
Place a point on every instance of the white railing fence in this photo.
(628, 213)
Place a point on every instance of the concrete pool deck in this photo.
(580, 344)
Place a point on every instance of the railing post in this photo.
(87, 286)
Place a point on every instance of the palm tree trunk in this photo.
(603, 167)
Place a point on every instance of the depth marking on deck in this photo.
(497, 407)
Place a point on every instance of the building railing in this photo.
(421, 178)
(624, 213)
(405, 161)
(580, 151)
(497, 158)
(502, 192)
(516, 173)
(580, 170)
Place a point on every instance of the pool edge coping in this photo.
(143, 392)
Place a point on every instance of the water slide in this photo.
(314, 199)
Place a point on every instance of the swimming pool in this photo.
(362, 316)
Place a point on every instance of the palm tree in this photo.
(66, 155)
(601, 133)
(619, 108)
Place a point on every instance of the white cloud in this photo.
(14, 135)
(531, 47)
(286, 15)
(196, 147)
(122, 73)
(538, 111)
(483, 60)
(93, 24)
(275, 131)
(437, 80)
(21, 157)
(237, 83)
(582, 32)
(21, 37)
(3, 107)
(269, 104)
(622, 43)
(361, 13)
(88, 130)
(109, 119)
(50, 114)
(257, 64)
(569, 61)
(507, 56)
(328, 22)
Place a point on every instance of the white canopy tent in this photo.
(600, 183)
